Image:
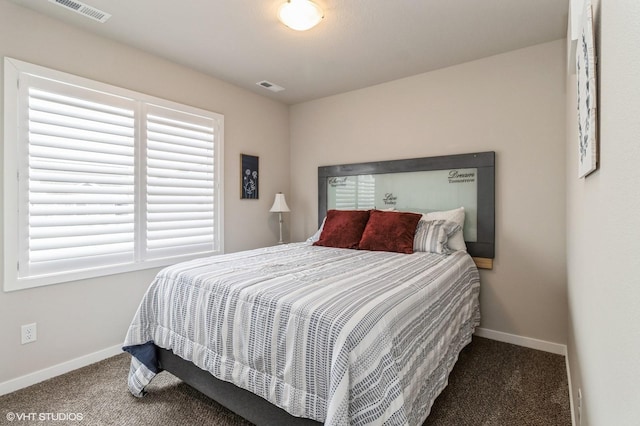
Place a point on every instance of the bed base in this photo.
(242, 402)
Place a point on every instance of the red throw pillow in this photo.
(343, 228)
(390, 231)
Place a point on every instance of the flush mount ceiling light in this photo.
(300, 15)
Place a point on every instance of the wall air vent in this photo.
(83, 9)
(270, 86)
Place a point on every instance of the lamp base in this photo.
(280, 220)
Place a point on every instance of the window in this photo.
(101, 180)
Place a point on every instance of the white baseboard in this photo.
(56, 370)
(527, 342)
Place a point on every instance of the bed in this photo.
(304, 333)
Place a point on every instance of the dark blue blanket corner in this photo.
(146, 354)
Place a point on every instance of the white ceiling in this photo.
(359, 43)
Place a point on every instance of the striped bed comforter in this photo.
(336, 335)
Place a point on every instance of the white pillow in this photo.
(315, 237)
(456, 241)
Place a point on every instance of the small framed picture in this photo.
(250, 176)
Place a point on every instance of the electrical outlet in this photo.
(29, 333)
(579, 406)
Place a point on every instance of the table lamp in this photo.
(280, 206)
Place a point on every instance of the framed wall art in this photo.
(249, 177)
(586, 90)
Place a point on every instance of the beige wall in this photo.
(603, 234)
(75, 319)
(512, 104)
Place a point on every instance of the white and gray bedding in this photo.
(336, 335)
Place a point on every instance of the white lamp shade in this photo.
(279, 204)
(300, 15)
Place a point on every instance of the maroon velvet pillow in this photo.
(390, 231)
(343, 228)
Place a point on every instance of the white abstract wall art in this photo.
(586, 78)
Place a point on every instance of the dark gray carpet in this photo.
(493, 384)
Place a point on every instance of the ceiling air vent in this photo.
(83, 9)
(270, 86)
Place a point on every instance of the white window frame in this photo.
(14, 160)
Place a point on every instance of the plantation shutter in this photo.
(366, 193)
(180, 183)
(346, 195)
(357, 193)
(102, 180)
(78, 187)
